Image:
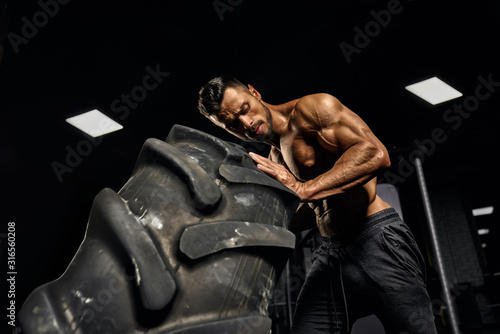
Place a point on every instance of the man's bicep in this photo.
(348, 130)
(337, 127)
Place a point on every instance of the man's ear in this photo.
(254, 92)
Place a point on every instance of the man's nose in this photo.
(246, 121)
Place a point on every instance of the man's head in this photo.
(237, 108)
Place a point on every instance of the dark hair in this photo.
(212, 93)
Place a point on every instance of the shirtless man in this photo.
(369, 262)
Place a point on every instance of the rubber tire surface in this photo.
(193, 243)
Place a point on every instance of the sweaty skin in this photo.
(319, 149)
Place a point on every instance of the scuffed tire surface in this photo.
(192, 243)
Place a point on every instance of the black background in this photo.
(88, 53)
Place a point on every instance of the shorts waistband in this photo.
(385, 216)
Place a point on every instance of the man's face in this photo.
(244, 115)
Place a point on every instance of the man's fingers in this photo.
(262, 160)
(267, 170)
(276, 171)
(257, 158)
(269, 167)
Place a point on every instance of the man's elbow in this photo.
(383, 161)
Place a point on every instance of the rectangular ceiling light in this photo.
(434, 91)
(94, 123)
(483, 231)
(487, 210)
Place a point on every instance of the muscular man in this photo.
(369, 262)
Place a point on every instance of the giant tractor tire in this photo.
(193, 243)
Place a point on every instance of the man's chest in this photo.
(305, 157)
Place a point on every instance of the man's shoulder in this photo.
(318, 101)
(315, 107)
(316, 97)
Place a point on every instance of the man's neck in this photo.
(280, 115)
(279, 121)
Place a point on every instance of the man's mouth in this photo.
(258, 130)
(253, 133)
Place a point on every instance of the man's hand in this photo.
(278, 172)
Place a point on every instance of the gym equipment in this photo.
(193, 243)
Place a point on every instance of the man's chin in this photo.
(260, 138)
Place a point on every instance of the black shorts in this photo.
(381, 272)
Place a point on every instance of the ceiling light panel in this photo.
(94, 123)
(487, 210)
(434, 91)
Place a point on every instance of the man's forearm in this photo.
(359, 164)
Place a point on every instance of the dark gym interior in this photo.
(62, 58)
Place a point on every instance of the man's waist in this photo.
(343, 231)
